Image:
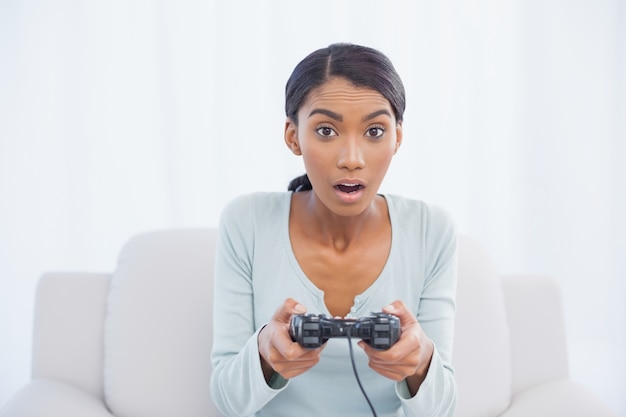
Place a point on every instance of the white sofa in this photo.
(136, 342)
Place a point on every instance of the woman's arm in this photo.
(421, 359)
(436, 395)
(238, 385)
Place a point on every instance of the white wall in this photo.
(124, 116)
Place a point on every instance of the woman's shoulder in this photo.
(412, 213)
(258, 199)
(405, 207)
(257, 205)
(420, 224)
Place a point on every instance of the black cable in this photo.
(356, 374)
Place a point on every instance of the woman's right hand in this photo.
(278, 352)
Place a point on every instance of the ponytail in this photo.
(300, 183)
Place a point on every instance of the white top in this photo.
(256, 270)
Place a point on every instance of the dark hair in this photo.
(361, 65)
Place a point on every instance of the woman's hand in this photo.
(278, 352)
(409, 358)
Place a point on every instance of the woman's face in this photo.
(347, 137)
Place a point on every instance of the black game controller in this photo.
(379, 330)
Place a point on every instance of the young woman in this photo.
(333, 245)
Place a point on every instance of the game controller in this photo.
(379, 330)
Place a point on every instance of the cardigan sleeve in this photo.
(436, 396)
(238, 386)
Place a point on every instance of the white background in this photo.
(119, 117)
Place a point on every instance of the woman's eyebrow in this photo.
(339, 117)
(328, 113)
(374, 114)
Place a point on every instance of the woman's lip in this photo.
(346, 187)
(349, 196)
(349, 191)
(349, 182)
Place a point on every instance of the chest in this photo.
(342, 275)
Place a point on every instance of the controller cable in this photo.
(356, 374)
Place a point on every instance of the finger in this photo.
(288, 309)
(394, 358)
(308, 357)
(289, 373)
(400, 310)
(391, 373)
(295, 366)
(394, 367)
(279, 362)
(404, 351)
(287, 348)
(291, 350)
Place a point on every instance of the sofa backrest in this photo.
(158, 328)
(538, 342)
(68, 336)
(481, 356)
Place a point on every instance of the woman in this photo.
(333, 245)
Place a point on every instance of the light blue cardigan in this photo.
(256, 270)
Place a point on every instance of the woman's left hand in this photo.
(409, 358)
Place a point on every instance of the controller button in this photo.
(311, 340)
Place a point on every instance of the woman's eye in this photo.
(326, 131)
(375, 132)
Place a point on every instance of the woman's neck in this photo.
(334, 230)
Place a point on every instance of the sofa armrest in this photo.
(537, 330)
(69, 329)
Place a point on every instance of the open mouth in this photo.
(348, 188)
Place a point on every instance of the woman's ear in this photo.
(398, 137)
(291, 137)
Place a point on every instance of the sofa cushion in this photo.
(481, 356)
(158, 327)
(559, 398)
(45, 398)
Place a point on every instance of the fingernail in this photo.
(299, 308)
(389, 308)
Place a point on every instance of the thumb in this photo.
(288, 309)
(400, 310)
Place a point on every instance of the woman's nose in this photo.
(350, 155)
